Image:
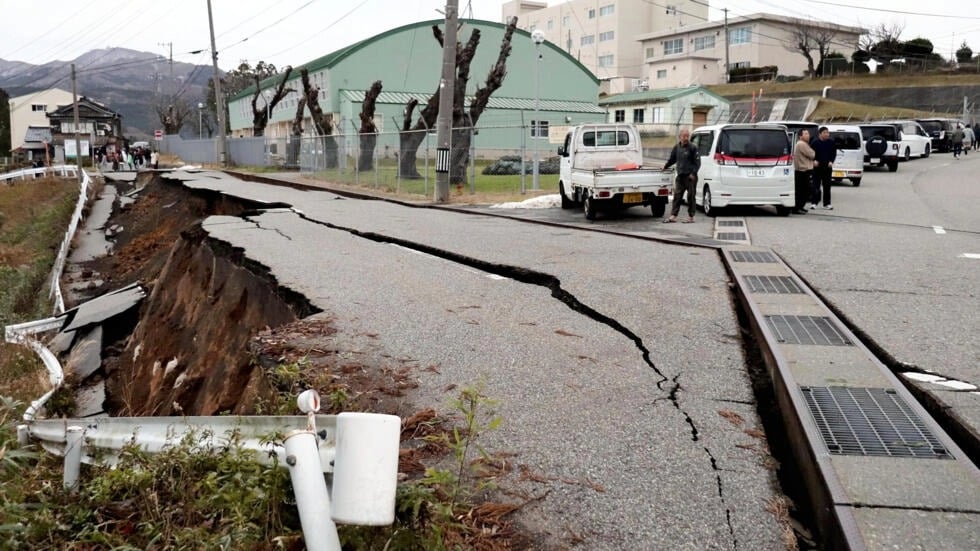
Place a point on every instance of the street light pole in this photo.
(538, 37)
(200, 121)
(268, 118)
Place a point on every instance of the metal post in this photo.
(425, 189)
(727, 66)
(523, 154)
(472, 155)
(218, 99)
(200, 121)
(73, 455)
(357, 154)
(538, 37)
(446, 96)
(310, 490)
(398, 164)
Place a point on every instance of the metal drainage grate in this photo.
(730, 223)
(753, 256)
(870, 421)
(806, 330)
(782, 285)
(731, 236)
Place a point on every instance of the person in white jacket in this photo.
(969, 139)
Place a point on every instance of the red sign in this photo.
(158, 135)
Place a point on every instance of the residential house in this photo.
(31, 110)
(665, 111)
(602, 34)
(98, 126)
(696, 54)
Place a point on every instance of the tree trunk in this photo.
(369, 131)
(408, 146)
(459, 162)
(296, 134)
(322, 122)
(260, 118)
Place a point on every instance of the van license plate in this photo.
(838, 174)
(755, 172)
(632, 198)
(875, 160)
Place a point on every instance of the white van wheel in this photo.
(709, 210)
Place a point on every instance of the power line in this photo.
(269, 26)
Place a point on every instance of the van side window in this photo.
(846, 140)
(703, 142)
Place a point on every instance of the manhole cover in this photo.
(814, 330)
(730, 223)
(753, 256)
(731, 236)
(783, 285)
(870, 421)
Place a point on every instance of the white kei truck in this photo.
(601, 169)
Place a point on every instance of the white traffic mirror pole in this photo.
(310, 489)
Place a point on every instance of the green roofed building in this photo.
(408, 61)
(666, 110)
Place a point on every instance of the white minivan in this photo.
(850, 153)
(744, 164)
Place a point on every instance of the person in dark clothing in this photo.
(976, 134)
(825, 151)
(688, 160)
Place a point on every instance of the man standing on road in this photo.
(957, 140)
(976, 134)
(688, 160)
(825, 151)
(803, 157)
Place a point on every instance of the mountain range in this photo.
(127, 81)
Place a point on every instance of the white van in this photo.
(850, 153)
(744, 164)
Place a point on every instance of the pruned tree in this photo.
(260, 117)
(322, 122)
(883, 41)
(964, 54)
(369, 130)
(806, 37)
(296, 134)
(172, 113)
(412, 135)
(235, 81)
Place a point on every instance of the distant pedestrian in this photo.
(957, 140)
(803, 157)
(976, 135)
(969, 139)
(154, 160)
(825, 153)
(688, 160)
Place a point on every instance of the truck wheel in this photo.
(659, 206)
(590, 209)
(566, 203)
(782, 211)
(893, 166)
(706, 203)
(855, 182)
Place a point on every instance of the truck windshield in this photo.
(754, 143)
(605, 138)
(846, 140)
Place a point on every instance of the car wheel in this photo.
(590, 209)
(566, 203)
(659, 206)
(782, 211)
(908, 154)
(709, 209)
(855, 182)
(893, 166)
(925, 153)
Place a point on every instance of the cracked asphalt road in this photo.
(631, 450)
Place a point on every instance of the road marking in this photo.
(970, 255)
(939, 230)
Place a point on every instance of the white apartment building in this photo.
(602, 34)
(32, 110)
(695, 55)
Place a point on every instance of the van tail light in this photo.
(726, 160)
(785, 160)
(895, 146)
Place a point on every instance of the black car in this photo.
(940, 131)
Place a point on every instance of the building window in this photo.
(607, 10)
(651, 52)
(539, 129)
(740, 36)
(661, 74)
(565, 21)
(671, 9)
(606, 60)
(551, 24)
(741, 65)
(619, 115)
(608, 35)
(658, 115)
(638, 115)
(674, 46)
(704, 42)
(588, 39)
(592, 13)
(39, 107)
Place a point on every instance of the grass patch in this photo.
(810, 86)
(841, 111)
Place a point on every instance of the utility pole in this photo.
(173, 85)
(78, 143)
(728, 70)
(218, 99)
(444, 122)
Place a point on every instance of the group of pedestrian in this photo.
(963, 139)
(813, 164)
(126, 158)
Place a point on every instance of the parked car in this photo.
(745, 164)
(939, 131)
(850, 153)
(881, 143)
(915, 140)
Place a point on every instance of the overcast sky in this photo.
(292, 32)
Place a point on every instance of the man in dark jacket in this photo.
(823, 164)
(688, 160)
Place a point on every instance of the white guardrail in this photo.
(34, 173)
(360, 449)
